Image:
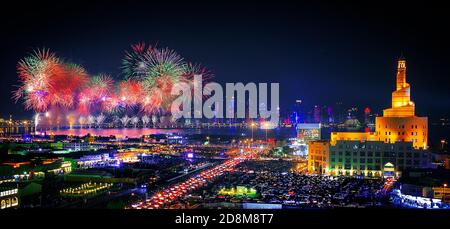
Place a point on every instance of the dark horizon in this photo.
(320, 53)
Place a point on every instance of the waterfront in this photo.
(139, 132)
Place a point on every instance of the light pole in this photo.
(252, 126)
(266, 126)
(443, 193)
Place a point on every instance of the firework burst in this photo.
(94, 96)
(130, 93)
(64, 88)
(136, 65)
(47, 83)
(35, 74)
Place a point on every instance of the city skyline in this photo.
(225, 113)
(303, 73)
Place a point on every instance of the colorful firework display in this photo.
(48, 83)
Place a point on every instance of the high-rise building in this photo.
(297, 114)
(316, 114)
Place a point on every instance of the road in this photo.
(170, 194)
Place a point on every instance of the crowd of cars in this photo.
(277, 184)
(168, 195)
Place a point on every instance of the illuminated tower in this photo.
(399, 122)
(402, 106)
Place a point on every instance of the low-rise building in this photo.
(9, 197)
(375, 158)
(318, 157)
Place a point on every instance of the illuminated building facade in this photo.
(307, 132)
(78, 146)
(399, 140)
(9, 197)
(405, 129)
(318, 157)
(402, 106)
(399, 123)
(352, 136)
(374, 158)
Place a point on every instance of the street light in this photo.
(252, 126)
(266, 125)
(443, 193)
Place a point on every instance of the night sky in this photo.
(320, 53)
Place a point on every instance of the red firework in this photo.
(129, 93)
(64, 88)
(95, 95)
(36, 74)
